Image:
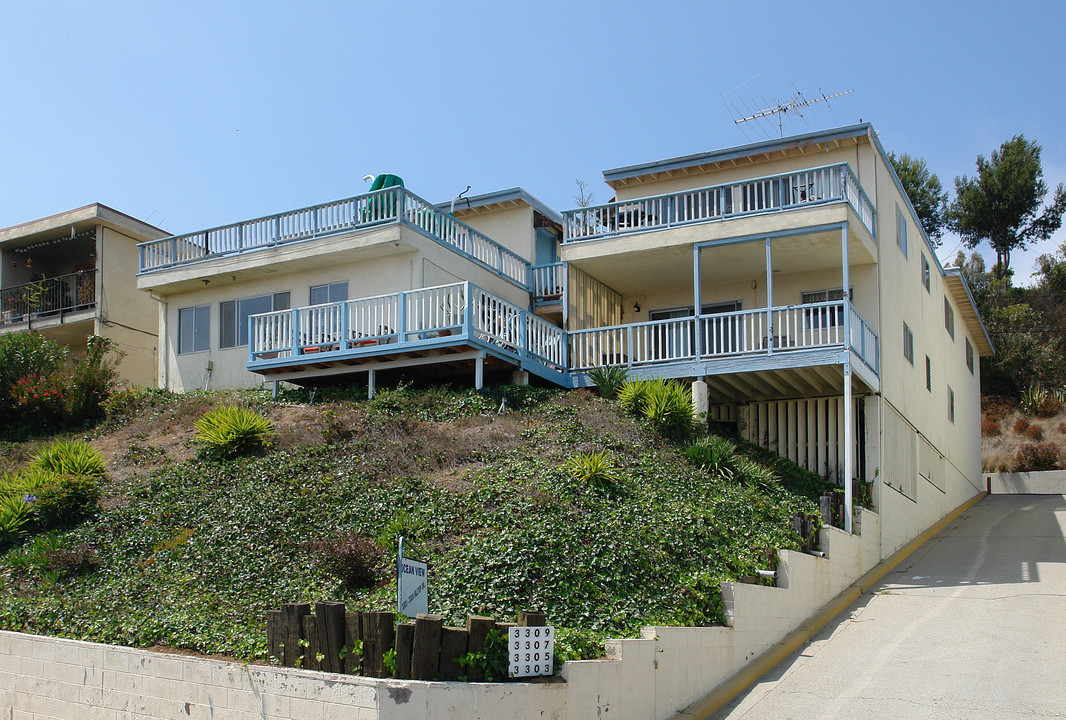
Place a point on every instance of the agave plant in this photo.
(669, 407)
(634, 396)
(1032, 398)
(712, 454)
(595, 469)
(69, 457)
(608, 380)
(231, 431)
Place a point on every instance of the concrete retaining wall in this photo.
(1049, 482)
(654, 676)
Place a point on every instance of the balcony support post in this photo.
(371, 383)
(697, 305)
(849, 430)
(479, 371)
(769, 299)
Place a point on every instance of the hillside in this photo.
(189, 553)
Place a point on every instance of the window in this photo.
(928, 374)
(334, 292)
(908, 344)
(925, 272)
(951, 405)
(194, 329)
(233, 316)
(969, 356)
(949, 318)
(823, 317)
(901, 231)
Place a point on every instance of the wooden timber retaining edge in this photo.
(332, 639)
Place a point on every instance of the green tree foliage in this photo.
(1002, 203)
(925, 191)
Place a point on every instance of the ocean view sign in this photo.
(412, 585)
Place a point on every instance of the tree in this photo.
(1002, 203)
(926, 193)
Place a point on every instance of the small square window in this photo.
(949, 318)
(908, 344)
(969, 356)
(925, 272)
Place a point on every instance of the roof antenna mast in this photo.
(794, 106)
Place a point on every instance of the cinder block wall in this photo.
(653, 676)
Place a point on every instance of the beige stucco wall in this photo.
(124, 314)
(511, 227)
(424, 264)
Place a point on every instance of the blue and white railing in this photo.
(773, 193)
(391, 205)
(405, 319)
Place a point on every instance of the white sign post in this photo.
(531, 651)
(412, 585)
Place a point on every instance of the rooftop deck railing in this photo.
(742, 333)
(47, 297)
(391, 323)
(391, 205)
(774, 193)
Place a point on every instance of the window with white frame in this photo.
(925, 272)
(194, 329)
(233, 316)
(969, 356)
(823, 317)
(908, 344)
(949, 318)
(901, 231)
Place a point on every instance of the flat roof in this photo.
(629, 172)
(503, 197)
(93, 214)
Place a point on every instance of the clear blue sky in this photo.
(192, 114)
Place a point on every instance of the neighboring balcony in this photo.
(391, 206)
(770, 194)
(48, 302)
(786, 348)
(456, 324)
(548, 284)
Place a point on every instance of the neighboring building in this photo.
(72, 275)
(827, 329)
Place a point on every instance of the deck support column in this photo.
(701, 403)
(849, 430)
(697, 305)
(371, 382)
(769, 298)
(479, 372)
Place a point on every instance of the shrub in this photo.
(756, 474)
(1032, 398)
(1021, 425)
(230, 431)
(990, 428)
(1034, 432)
(669, 408)
(712, 454)
(354, 559)
(1037, 457)
(69, 457)
(15, 512)
(67, 500)
(608, 380)
(634, 396)
(594, 469)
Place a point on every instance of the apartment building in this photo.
(789, 280)
(73, 275)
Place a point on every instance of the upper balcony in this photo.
(394, 206)
(769, 194)
(48, 302)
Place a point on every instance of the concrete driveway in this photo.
(970, 625)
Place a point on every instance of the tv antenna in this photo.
(795, 105)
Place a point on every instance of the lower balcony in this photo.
(769, 353)
(48, 302)
(451, 327)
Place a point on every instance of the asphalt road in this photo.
(972, 625)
